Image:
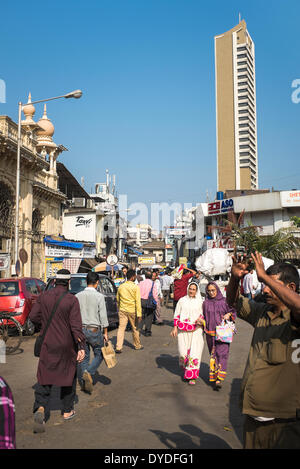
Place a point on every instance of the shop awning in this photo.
(134, 250)
(65, 244)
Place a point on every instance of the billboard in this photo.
(80, 226)
(220, 206)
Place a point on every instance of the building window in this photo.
(36, 220)
(6, 209)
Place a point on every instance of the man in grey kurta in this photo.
(94, 321)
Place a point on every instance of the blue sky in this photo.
(146, 68)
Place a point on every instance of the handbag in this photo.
(109, 354)
(225, 331)
(151, 303)
(40, 338)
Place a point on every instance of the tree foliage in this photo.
(279, 246)
(296, 221)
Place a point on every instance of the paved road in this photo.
(141, 403)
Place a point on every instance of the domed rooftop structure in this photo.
(47, 128)
(29, 111)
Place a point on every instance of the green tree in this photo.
(278, 246)
(296, 221)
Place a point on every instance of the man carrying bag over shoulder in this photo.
(57, 312)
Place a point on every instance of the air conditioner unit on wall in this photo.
(78, 202)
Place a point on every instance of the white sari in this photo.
(190, 335)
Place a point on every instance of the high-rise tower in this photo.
(236, 109)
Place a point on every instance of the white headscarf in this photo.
(189, 309)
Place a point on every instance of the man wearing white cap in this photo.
(58, 313)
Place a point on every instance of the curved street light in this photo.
(74, 94)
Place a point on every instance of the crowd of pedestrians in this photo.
(269, 392)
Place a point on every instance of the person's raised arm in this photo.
(191, 270)
(238, 271)
(286, 293)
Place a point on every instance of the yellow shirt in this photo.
(129, 298)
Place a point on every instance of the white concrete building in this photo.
(271, 211)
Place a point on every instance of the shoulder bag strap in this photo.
(52, 314)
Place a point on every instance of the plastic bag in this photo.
(225, 331)
(178, 272)
(215, 261)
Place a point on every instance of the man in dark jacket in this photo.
(62, 348)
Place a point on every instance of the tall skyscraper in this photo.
(236, 109)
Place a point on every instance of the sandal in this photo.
(218, 385)
(70, 416)
(192, 382)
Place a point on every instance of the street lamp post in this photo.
(74, 94)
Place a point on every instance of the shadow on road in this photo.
(170, 363)
(126, 342)
(204, 373)
(184, 440)
(101, 379)
(235, 416)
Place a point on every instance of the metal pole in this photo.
(18, 183)
(18, 168)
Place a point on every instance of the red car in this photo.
(17, 295)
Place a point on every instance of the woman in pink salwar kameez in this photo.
(188, 327)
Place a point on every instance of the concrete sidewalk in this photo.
(141, 403)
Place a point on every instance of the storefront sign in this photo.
(87, 252)
(147, 260)
(290, 198)
(220, 206)
(4, 261)
(52, 266)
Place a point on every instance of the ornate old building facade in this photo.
(40, 202)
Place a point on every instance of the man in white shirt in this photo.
(94, 321)
(166, 282)
(248, 285)
(158, 320)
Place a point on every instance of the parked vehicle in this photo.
(106, 287)
(17, 295)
